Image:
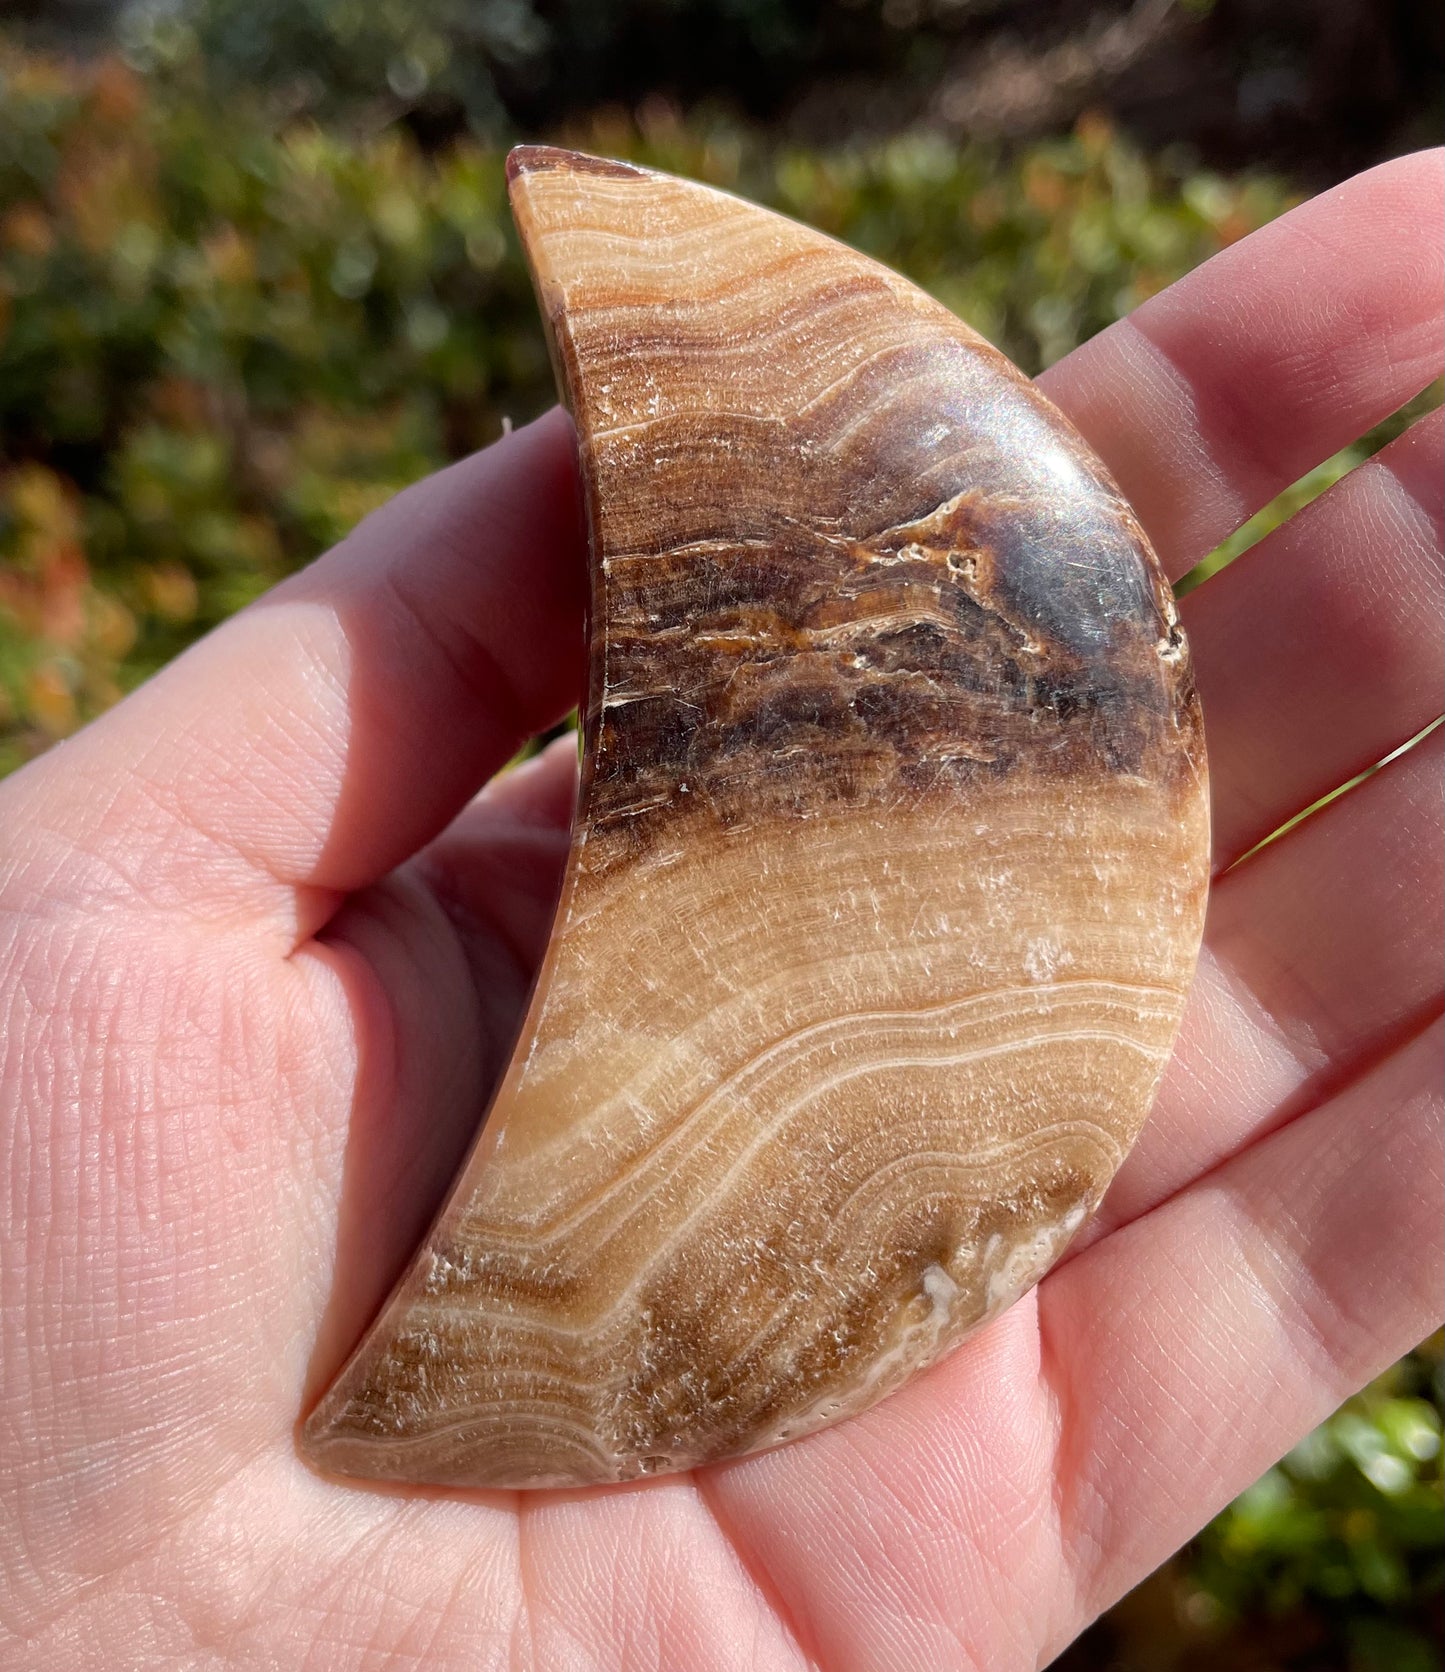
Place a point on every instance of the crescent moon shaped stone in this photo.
(886, 883)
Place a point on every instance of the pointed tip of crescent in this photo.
(314, 1434)
(324, 1446)
(523, 160)
(323, 1439)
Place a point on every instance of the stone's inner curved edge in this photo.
(886, 883)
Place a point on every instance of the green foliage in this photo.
(331, 56)
(221, 344)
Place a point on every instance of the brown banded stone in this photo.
(886, 884)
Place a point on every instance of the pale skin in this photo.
(262, 947)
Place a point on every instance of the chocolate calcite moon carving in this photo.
(885, 888)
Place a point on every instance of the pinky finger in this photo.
(1191, 1349)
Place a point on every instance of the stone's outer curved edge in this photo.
(886, 885)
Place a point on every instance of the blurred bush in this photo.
(221, 344)
(488, 65)
(1324, 90)
(223, 341)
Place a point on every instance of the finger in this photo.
(317, 739)
(1319, 650)
(1102, 1420)
(1321, 953)
(919, 1535)
(1334, 928)
(1189, 1351)
(541, 790)
(1219, 392)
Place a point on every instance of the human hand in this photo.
(260, 961)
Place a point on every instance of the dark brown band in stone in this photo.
(906, 575)
(961, 598)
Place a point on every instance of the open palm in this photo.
(260, 962)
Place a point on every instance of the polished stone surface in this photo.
(886, 887)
